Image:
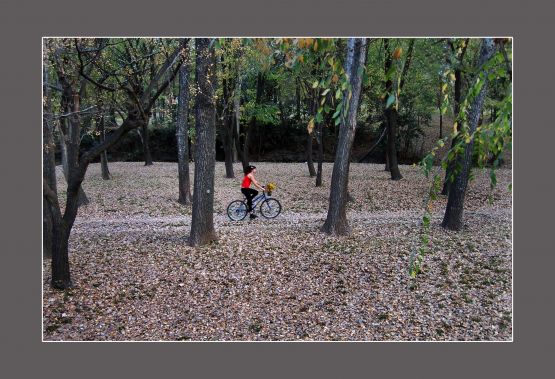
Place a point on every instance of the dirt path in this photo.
(148, 224)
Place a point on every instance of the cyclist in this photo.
(249, 192)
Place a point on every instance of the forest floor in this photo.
(135, 277)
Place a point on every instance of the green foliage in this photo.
(490, 140)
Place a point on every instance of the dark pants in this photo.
(249, 194)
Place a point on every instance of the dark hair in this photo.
(249, 169)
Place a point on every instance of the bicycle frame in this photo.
(259, 198)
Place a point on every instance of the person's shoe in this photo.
(253, 216)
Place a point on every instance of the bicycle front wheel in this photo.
(270, 208)
(237, 210)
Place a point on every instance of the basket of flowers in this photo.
(270, 187)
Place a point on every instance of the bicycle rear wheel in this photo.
(237, 210)
(270, 208)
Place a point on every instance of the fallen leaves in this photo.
(281, 279)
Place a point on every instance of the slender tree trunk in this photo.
(48, 164)
(227, 126)
(183, 135)
(246, 144)
(104, 155)
(309, 138)
(250, 129)
(202, 225)
(238, 149)
(228, 146)
(236, 117)
(320, 140)
(439, 101)
(336, 221)
(298, 99)
(146, 145)
(453, 218)
(456, 109)
(309, 159)
(440, 125)
(392, 116)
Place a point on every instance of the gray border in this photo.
(23, 355)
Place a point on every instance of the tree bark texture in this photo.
(48, 164)
(64, 142)
(236, 117)
(309, 160)
(336, 221)
(146, 145)
(309, 138)
(182, 135)
(227, 126)
(456, 109)
(202, 225)
(104, 155)
(391, 116)
(453, 218)
(320, 140)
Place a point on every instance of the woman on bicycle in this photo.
(247, 190)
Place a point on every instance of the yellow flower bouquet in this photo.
(270, 187)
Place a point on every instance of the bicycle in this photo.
(269, 207)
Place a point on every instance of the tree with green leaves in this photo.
(336, 221)
(453, 218)
(456, 53)
(93, 60)
(395, 73)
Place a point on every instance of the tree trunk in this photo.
(48, 164)
(228, 146)
(439, 102)
(146, 145)
(47, 231)
(298, 99)
(320, 140)
(78, 163)
(453, 218)
(456, 109)
(227, 126)
(336, 221)
(83, 199)
(246, 143)
(104, 155)
(237, 144)
(202, 225)
(392, 116)
(309, 160)
(61, 278)
(309, 136)
(237, 117)
(440, 125)
(183, 136)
